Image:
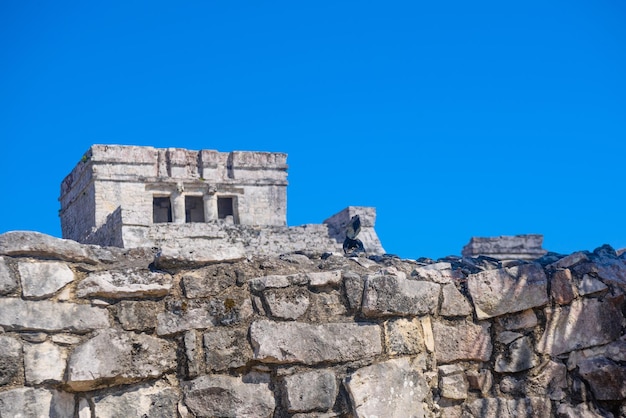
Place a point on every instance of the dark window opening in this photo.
(225, 207)
(161, 210)
(194, 209)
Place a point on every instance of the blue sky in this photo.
(453, 118)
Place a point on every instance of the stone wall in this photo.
(90, 331)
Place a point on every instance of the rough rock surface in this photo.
(227, 396)
(294, 342)
(392, 295)
(461, 340)
(311, 391)
(49, 316)
(125, 284)
(497, 292)
(8, 283)
(126, 357)
(400, 396)
(10, 358)
(144, 401)
(43, 279)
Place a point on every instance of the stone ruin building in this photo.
(505, 247)
(132, 196)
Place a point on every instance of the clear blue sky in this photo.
(453, 118)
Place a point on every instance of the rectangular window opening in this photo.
(225, 208)
(194, 209)
(161, 209)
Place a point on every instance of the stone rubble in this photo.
(93, 331)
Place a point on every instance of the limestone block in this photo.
(125, 284)
(325, 307)
(289, 303)
(504, 408)
(156, 401)
(400, 396)
(50, 316)
(65, 339)
(278, 281)
(206, 252)
(193, 353)
(295, 342)
(615, 351)
(514, 289)
(507, 337)
(404, 336)
(36, 403)
(452, 382)
(522, 320)
(605, 377)
(441, 273)
(8, 283)
(481, 380)
(138, 315)
(42, 279)
(208, 281)
(115, 357)
(227, 396)
(570, 260)
(549, 381)
(561, 287)
(10, 359)
(584, 323)
(427, 329)
(353, 285)
(393, 295)
(461, 340)
(311, 391)
(226, 348)
(582, 410)
(612, 271)
(454, 303)
(519, 355)
(44, 363)
(324, 278)
(590, 285)
(169, 323)
(35, 244)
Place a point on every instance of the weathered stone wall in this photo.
(90, 331)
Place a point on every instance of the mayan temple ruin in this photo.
(179, 291)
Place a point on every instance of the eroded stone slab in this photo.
(506, 290)
(462, 340)
(44, 363)
(584, 323)
(227, 396)
(39, 403)
(393, 295)
(36, 244)
(156, 401)
(561, 287)
(8, 283)
(400, 396)
(10, 358)
(549, 381)
(210, 253)
(115, 357)
(296, 342)
(226, 348)
(41, 279)
(454, 303)
(520, 320)
(169, 323)
(518, 356)
(125, 284)
(324, 278)
(138, 315)
(289, 303)
(404, 336)
(311, 391)
(19, 314)
(605, 377)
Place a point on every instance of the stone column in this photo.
(178, 207)
(210, 207)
